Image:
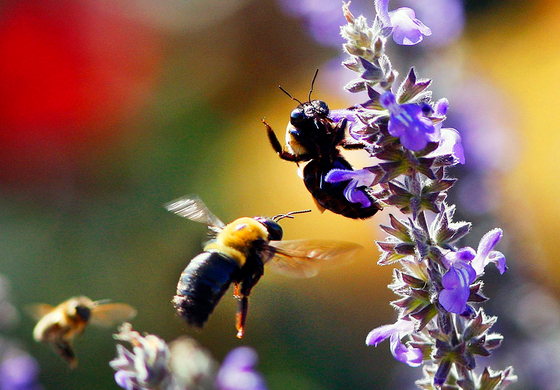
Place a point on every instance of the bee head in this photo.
(275, 231)
(305, 114)
(80, 307)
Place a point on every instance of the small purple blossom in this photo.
(456, 282)
(407, 30)
(238, 371)
(464, 266)
(408, 123)
(146, 366)
(450, 144)
(359, 178)
(411, 356)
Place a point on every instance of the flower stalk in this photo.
(440, 324)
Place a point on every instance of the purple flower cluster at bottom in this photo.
(183, 365)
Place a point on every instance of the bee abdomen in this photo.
(202, 285)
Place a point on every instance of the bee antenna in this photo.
(287, 93)
(313, 83)
(102, 302)
(291, 214)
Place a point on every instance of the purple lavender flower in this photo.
(411, 356)
(408, 123)
(353, 192)
(238, 371)
(146, 366)
(464, 266)
(450, 144)
(446, 19)
(407, 30)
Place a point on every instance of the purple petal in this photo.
(382, 10)
(388, 101)
(355, 195)
(456, 283)
(411, 356)
(338, 175)
(499, 260)
(464, 254)
(441, 107)
(238, 371)
(486, 245)
(407, 30)
(383, 332)
(450, 144)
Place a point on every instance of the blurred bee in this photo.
(237, 254)
(59, 325)
(312, 136)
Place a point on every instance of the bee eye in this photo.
(297, 116)
(83, 312)
(275, 232)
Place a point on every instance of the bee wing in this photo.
(193, 208)
(304, 258)
(38, 310)
(110, 314)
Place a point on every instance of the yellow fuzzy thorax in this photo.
(237, 238)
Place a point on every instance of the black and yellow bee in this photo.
(312, 136)
(60, 325)
(237, 254)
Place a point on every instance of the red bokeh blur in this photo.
(69, 73)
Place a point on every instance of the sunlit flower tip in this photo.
(238, 371)
(450, 144)
(408, 123)
(407, 30)
(485, 253)
(145, 366)
(354, 190)
(395, 332)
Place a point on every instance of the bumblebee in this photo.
(59, 325)
(237, 254)
(311, 136)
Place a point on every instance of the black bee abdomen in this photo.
(331, 195)
(202, 285)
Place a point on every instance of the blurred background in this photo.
(108, 111)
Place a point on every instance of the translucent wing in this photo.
(304, 258)
(111, 314)
(193, 208)
(38, 310)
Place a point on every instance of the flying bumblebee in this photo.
(312, 136)
(59, 325)
(237, 254)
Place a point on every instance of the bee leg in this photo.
(64, 349)
(242, 291)
(277, 146)
(241, 316)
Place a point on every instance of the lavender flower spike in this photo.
(407, 30)
(411, 356)
(408, 123)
